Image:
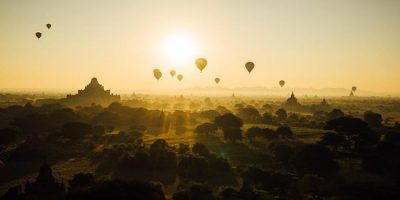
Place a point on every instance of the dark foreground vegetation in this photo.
(244, 150)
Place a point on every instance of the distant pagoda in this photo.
(324, 105)
(93, 93)
(45, 186)
(291, 102)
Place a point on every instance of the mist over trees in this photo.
(238, 149)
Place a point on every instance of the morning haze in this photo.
(199, 100)
(310, 44)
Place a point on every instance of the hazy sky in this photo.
(308, 43)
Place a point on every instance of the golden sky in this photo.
(308, 43)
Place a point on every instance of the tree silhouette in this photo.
(315, 159)
(356, 131)
(267, 118)
(230, 125)
(76, 130)
(254, 132)
(205, 129)
(284, 131)
(228, 121)
(210, 114)
(233, 134)
(334, 140)
(200, 149)
(249, 115)
(281, 114)
(373, 119)
(335, 113)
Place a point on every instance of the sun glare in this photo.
(180, 49)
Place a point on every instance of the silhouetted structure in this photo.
(93, 93)
(351, 94)
(324, 105)
(291, 102)
(45, 187)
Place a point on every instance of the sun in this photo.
(179, 49)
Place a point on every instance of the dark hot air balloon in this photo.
(217, 80)
(281, 83)
(157, 74)
(48, 26)
(249, 66)
(172, 72)
(38, 35)
(180, 77)
(354, 88)
(201, 63)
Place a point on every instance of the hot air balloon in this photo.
(172, 72)
(217, 80)
(48, 26)
(249, 66)
(354, 88)
(157, 74)
(38, 35)
(281, 83)
(180, 77)
(201, 63)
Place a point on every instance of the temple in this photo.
(93, 93)
(291, 102)
(45, 186)
(324, 105)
